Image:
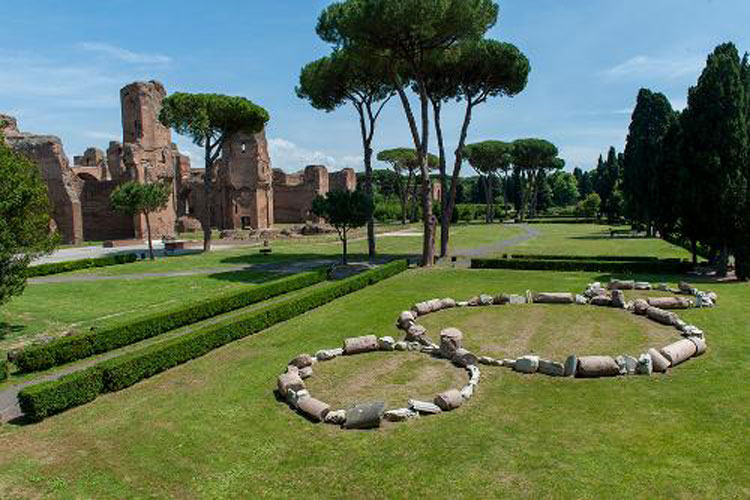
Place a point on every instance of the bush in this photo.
(67, 349)
(615, 258)
(641, 267)
(3, 369)
(48, 398)
(75, 265)
(387, 211)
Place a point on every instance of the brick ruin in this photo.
(247, 194)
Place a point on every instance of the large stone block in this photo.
(621, 285)
(658, 362)
(406, 320)
(527, 364)
(597, 366)
(601, 300)
(669, 302)
(449, 400)
(661, 316)
(679, 351)
(450, 341)
(554, 298)
(463, 357)
(571, 365)
(551, 368)
(289, 381)
(358, 345)
(313, 408)
(365, 416)
(640, 307)
(700, 345)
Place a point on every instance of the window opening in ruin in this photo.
(243, 147)
(246, 224)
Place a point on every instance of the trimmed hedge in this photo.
(605, 258)
(75, 265)
(66, 349)
(45, 399)
(640, 267)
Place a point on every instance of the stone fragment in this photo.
(640, 307)
(467, 391)
(302, 361)
(529, 297)
(400, 415)
(581, 300)
(414, 346)
(516, 299)
(447, 303)
(405, 320)
(692, 331)
(289, 381)
(401, 346)
(571, 365)
(386, 343)
(463, 357)
(618, 299)
(450, 341)
(421, 309)
(713, 296)
(328, 354)
(621, 285)
(644, 366)
(703, 300)
(551, 368)
(629, 306)
(553, 298)
(435, 305)
(430, 349)
(474, 374)
(449, 400)
(597, 366)
(679, 351)
(337, 417)
(662, 287)
(661, 316)
(486, 360)
(601, 300)
(642, 285)
(658, 362)
(313, 408)
(501, 299)
(365, 416)
(510, 363)
(415, 332)
(594, 289)
(292, 369)
(527, 364)
(463, 303)
(306, 372)
(700, 345)
(486, 300)
(669, 302)
(680, 325)
(474, 301)
(685, 288)
(293, 397)
(424, 407)
(357, 345)
(630, 364)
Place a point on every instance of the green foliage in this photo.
(589, 206)
(489, 157)
(133, 198)
(387, 211)
(619, 267)
(645, 181)
(405, 159)
(24, 220)
(48, 398)
(615, 258)
(532, 158)
(211, 116)
(76, 265)
(66, 349)
(564, 189)
(3, 369)
(344, 210)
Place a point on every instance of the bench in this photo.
(171, 246)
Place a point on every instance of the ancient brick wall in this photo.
(343, 180)
(293, 193)
(100, 221)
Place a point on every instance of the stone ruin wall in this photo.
(294, 193)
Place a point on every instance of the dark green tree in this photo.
(409, 34)
(24, 220)
(533, 157)
(344, 210)
(589, 207)
(564, 189)
(716, 149)
(405, 164)
(489, 158)
(134, 198)
(351, 77)
(652, 118)
(210, 120)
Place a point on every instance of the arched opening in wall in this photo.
(86, 177)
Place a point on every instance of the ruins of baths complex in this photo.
(248, 193)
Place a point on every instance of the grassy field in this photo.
(590, 239)
(212, 428)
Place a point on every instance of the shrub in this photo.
(3, 369)
(641, 267)
(41, 400)
(387, 211)
(67, 349)
(75, 265)
(615, 258)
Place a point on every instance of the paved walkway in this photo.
(501, 245)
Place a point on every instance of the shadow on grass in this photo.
(6, 329)
(612, 238)
(249, 276)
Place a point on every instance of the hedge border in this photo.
(601, 258)
(76, 265)
(658, 267)
(48, 398)
(66, 349)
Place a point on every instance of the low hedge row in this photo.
(67, 349)
(602, 258)
(639, 267)
(48, 398)
(75, 265)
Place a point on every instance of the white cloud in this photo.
(289, 157)
(642, 66)
(124, 55)
(102, 136)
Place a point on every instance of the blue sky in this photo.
(62, 64)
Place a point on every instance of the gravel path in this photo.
(502, 244)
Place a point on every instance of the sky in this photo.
(62, 64)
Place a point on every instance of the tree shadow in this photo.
(7, 329)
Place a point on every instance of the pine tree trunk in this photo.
(208, 208)
(694, 250)
(148, 233)
(345, 257)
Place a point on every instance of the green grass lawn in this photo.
(212, 428)
(591, 239)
